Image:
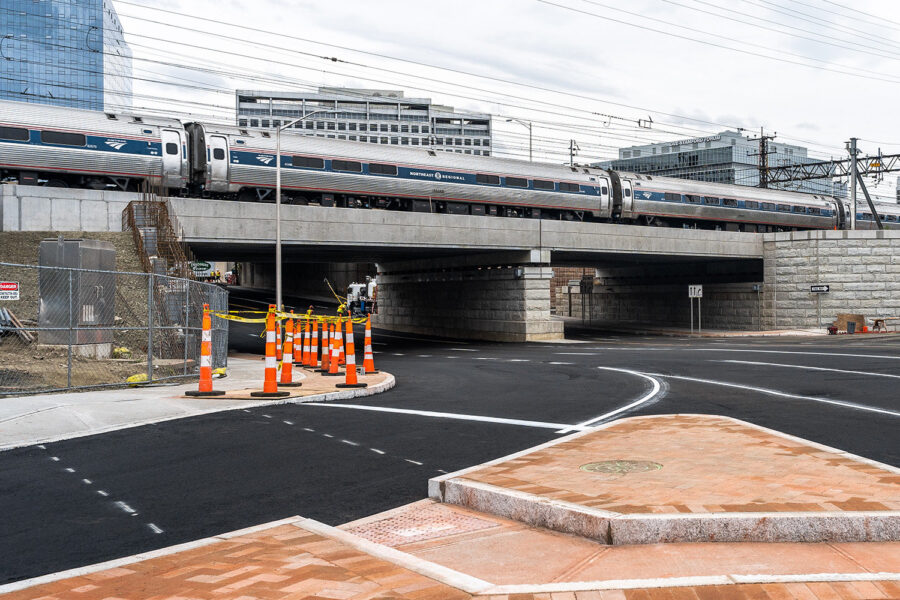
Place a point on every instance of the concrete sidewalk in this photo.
(638, 328)
(27, 420)
(433, 550)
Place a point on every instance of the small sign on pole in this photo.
(9, 290)
(696, 291)
(819, 289)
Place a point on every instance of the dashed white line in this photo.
(70, 470)
(398, 354)
(288, 422)
(518, 360)
(102, 493)
(376, 450)
(246, 411)
(415, 462)
(54, 458)
(486, 358)
(42, 447)
(464, 349)
(125, 507)
(86, 481)
(154, 528)
(349, 443)
(808, 368)
(308, 429)
(425, 356)
(328, 435)
(442, 471)
(560, 363)
(268, 416)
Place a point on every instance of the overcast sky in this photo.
(588, 58)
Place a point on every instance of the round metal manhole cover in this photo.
(621, 466)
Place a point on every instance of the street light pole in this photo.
(529, 125)
(278, 297)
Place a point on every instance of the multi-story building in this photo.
(727, 157)
(66, 53)
(372, 116)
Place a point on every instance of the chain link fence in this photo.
(81, 328)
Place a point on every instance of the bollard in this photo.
(351, 381)
(314, 347)
(368, 355)
(325, 343)
(270, 383)
(287, 365)
(206, 384)
(334, 359)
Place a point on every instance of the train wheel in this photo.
(57, 182)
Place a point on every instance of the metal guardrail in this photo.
(81, 328)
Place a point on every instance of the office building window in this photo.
(415, 129)
(352, 126)
(342, 126)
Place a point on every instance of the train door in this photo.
(172, 159)
(627, 199)
(605, 190)
(218, 164)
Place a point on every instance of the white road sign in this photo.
(695, 291)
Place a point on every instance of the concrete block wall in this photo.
(505, 304)
(34, 208)
(862, 269)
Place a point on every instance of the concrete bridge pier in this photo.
(503, 296)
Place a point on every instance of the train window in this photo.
(517, 182)
(16, 134)
(540, 184)
(671, 197)
(751, 204)
(218, 153)
(62, 138)
(172, 148)
(137, 120)
(627, 192)
(729, 202)
(815, 210)
(604, 190)
(767, 205)
(346, 165)
(710, 200)
(308, 162)
(380, 169)
(147, 131)
(488, 179)
(692, 198)
(112, 117)
(572, 187)
(800, 209)
(239, 142)
(784, 208)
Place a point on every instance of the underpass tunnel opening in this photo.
(655, 294)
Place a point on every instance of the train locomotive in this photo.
(53, 146)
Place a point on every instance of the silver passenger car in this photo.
(236, 161)
(58, 146)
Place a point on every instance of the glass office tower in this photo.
(64, 52)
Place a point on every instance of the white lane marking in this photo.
(70, 470)
(425, 339)
(442, 415)
(654, 390)
(464, 349)
(102, 493)
(765, 364)
(86, 481)
(780, 394)
(675, 348)
(576, 353)
(246, 411)
(424, 356)
(442, 471)
(288, 422)
(560, 363)
(398, 354)
(486, 358)
(518, 360)
(54, 458)
(376, 450)
(154, 528)
(415, 462)
(349, 442)
(308, 429)
(42, 447)
(268, 416)
(379, 343)
(328, 435)
(125, 507)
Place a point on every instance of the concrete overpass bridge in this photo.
(460, 275)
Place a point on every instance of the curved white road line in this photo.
(771, 392)
(657, 386)
(750, 350)
(808, 368)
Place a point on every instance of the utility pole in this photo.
(573, 149)
(854, 175)
(763, 155)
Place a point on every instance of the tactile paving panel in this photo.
(429, 523)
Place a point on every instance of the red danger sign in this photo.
(9, 286)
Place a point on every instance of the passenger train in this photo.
(53, 146)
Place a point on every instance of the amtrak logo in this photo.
(116, 145)
(265, 159)
(646, 195)
(437, 175)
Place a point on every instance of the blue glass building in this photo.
(64, 52)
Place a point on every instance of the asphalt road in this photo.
(187, 479)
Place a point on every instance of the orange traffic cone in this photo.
(313, 358)
(206, 385)
(270, 384)
(351, 381)
(368, 356)
(299, 348)
(342, 359)
(334, 359)
(287, 365)
(278, 341)
(325, 343)
(306, 346)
